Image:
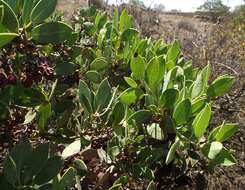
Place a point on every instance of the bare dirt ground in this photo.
(198, 43)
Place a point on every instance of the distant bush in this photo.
(185, 25)
(216, 8)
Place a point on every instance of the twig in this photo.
(226, 66)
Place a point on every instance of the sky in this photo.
(183, 5)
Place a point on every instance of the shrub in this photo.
(136, 102)
(185, 25)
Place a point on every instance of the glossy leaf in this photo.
(130, 82)
(198, 104)
(201, 121)
(100, 20)
(99, 64)
(223, 132)
(103, 95)
(201, 82)
(65, 68)
(155, 72)
(9, 20)
(129, 34)
(168, 98)
(44, 112)
(137, 66)
(140, 117)
(93, 76)
(42, 10)
(1, 13)
(225, 158)
(214, 149)
(182, 112)
(131, 95)
(51, 32)
(155, 131)
(28, 97)
(171, 153)
(51, 168)
(173, 52)
(118, 113)
(71, 149)
(5, 38)
(220, 86)
(81, 167)
(10, 170)
(68, 179)
(27, 9)
(126, 21)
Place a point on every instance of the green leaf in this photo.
(129, 34)
(151, 186)
(51, 32)
(137, 66)
(43, 10)
(220, 86)
(198, 104)
(168, 98)
(28, 97)
(140, 117)
(155, 131)
(223, 132)
(118, 113)
(114, 151)
(65, 68)
(84, 90)
(126, 21)
(173, 52)
(21, 155)
(201, 121)
(116, 19)
(201, 82)
(71, 149)
(131, 82)
(85, 96)
(131, 95)
(171, 153)
(10, 170)
(1, 13)
(27, 8)
(100, 20)
(93, 76)
(225, 158)
(155, 72)
(5, 38)
(116, 187)
(9, 20)
(44, 113)
(81, 167)
(51, 169)
(214, 149)
(99, 64)
(39, 157)
(68, 179)
(103, 95)
(182, 112)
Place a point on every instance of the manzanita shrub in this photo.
(136, 101)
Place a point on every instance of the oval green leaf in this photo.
(201, 121)
(131, 95)
(9, 19)
(182, 112)
(42, 10)
(52, 32)
(220, 86)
